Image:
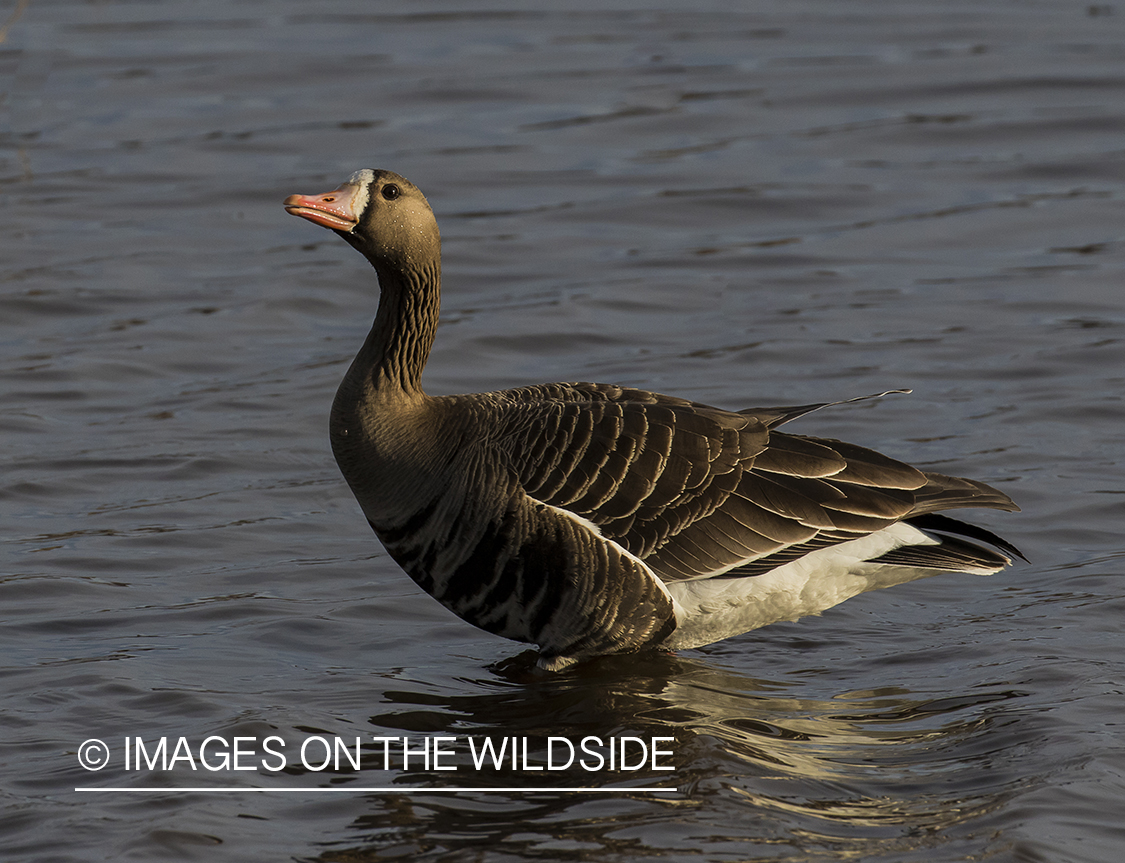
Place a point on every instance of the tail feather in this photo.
(943, 527)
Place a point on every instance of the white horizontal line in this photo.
(393, 790)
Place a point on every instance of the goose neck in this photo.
(403, 334)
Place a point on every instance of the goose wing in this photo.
(696, 491)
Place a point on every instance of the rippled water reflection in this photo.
(772, 203)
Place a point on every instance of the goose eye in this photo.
(391, 191)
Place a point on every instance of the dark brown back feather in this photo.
(696, 491)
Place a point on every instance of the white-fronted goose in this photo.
(593, 519)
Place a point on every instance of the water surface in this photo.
(745, 204)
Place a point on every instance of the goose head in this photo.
(381, 214)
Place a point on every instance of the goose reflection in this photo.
(853, 769)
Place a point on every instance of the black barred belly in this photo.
(534, 574)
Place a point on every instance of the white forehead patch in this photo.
(360, 183)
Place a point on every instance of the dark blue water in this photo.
(744, 204)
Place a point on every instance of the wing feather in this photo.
(696, 491)
(799, 456)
